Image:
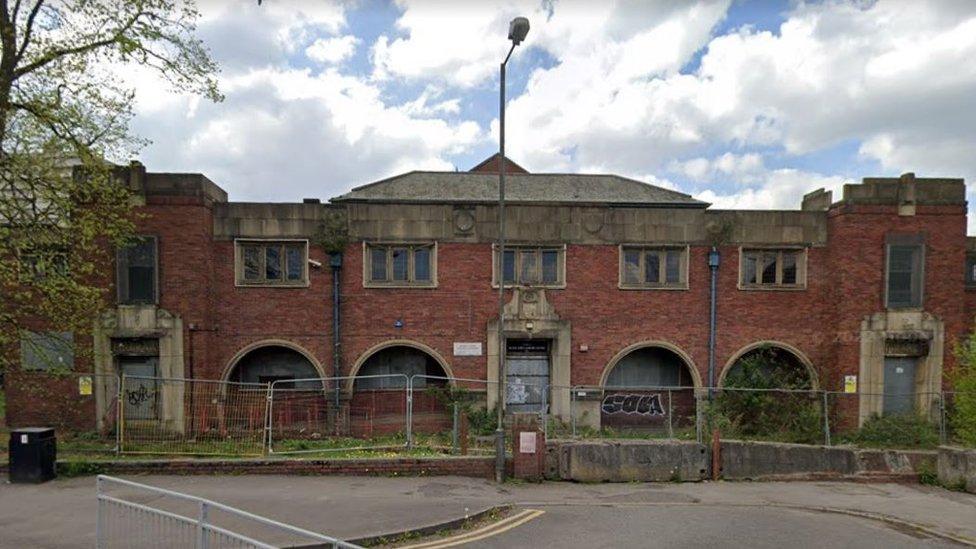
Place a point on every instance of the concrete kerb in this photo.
(433, 529)
(880, 517)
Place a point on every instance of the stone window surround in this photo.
(915, 239)
(239, 264)
(682, 283)
(560, 264)
(367, 263)
(801, 270)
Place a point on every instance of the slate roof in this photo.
(468, 187)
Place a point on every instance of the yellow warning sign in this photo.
(85, 385)
(850, 384)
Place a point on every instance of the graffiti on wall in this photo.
(644, 405)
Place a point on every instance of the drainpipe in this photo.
(714, 258)
(335, 261)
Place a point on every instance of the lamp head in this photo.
(518, 29)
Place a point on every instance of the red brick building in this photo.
(610, 286)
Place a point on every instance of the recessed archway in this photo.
(651, 363)
(273, 360)
(398, 356)
(783, 355)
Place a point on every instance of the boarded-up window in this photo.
(137, 272)
(47, 351)
(267, 263)
(904, 276)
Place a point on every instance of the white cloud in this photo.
(741, 168)
(779, 189)
(332, 50)
(284, 132)
(895, 78)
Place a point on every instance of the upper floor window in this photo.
(400, 265)
(532, 266)
(971, 270)
(137, 271)
(272, 262)
(772, 268)
(42, 263)
(905, 264)
(663, 267)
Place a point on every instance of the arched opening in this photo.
(769, 392)
(650, 367)
(649, 387)
(390, 367)
(769, 365)
(379, 391)
(283, 366)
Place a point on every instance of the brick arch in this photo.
(685, 357)
(800, 356)
(354, 371)
(243, 351)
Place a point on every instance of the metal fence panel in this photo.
(192, 416)
(328, 415)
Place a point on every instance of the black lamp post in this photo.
(517, 30)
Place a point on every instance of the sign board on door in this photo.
(462, 348)
(527, 443)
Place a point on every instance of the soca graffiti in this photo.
(645, 405)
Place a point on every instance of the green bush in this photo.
(764, 413)
(896, 431)
(963, 380)
(481, 421)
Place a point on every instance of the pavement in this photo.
(805, 514)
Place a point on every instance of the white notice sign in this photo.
(527, 443)
(467, 349)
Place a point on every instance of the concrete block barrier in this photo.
(957, 468)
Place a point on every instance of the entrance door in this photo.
(527, 374)
(899, 385)
(141, 393)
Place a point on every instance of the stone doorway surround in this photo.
(903, 334)
(141, 321)
(528, 315)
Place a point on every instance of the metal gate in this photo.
(527, 375)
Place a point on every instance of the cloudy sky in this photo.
(742, 103)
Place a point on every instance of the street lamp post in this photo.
(517, 30)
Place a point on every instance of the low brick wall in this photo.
(480, 467)
(957, 468)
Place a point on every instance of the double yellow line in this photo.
(485, 532)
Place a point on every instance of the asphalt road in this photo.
(678, 526)
(61, 514)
